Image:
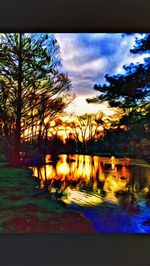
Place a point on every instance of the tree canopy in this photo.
(31, 85)
(133, 86)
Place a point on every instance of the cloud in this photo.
(87, 57)
(80, 107)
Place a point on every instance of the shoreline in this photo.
(23, 211)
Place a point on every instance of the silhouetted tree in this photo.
(130, 90)
(85, 128)
(126, 90)
(142, 45)
(31, 87)
(133, 86)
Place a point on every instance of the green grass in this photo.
(19, 183)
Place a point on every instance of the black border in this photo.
(74, 16)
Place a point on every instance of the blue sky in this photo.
(87, 57)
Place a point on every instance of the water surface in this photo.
(113, 193)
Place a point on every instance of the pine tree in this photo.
(130, 88)
(31, 87)
(129, 91)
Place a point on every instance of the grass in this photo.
(22, 210)
(19, 184)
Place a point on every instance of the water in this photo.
(113, 193)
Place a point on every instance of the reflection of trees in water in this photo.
(137, 189)
(138, 180)
(96, 175)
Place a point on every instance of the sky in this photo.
(87, 57)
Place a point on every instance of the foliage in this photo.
(130, 88)
(129, 91)
(31, 86)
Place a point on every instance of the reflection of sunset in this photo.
(82, 198)
(112, 185)
(87, 180)
(80, 166)
(62, 167)
(88, 169)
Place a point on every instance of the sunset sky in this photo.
(87, 57)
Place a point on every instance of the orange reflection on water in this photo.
(125, 172)
(113, 184)
(62, 167)
(92, 175)
(84, 168)
(113, 161)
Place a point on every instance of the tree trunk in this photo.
(46, 139)
(32, 127)
(16, 153)
(39, 136)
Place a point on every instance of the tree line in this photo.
(32, 88)
(130, 92)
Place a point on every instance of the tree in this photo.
(85, 128)
(129, 91)
(142, 45)
(131, 87)
(31, 87)
(126, 90)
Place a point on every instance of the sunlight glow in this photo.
(82, 170)
(79, 106)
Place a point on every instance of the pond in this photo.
(113, 193)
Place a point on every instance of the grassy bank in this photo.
(23, 208)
